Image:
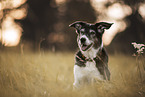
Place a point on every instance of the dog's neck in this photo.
(92, 53)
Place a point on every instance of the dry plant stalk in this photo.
(139, 51)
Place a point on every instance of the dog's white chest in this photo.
(90, 69)
(88, 72)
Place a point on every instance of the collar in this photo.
(84, 59)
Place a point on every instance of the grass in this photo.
(51, 75)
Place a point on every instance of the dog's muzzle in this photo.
(85, 46)
(83, 40)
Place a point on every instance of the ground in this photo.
(51, 75)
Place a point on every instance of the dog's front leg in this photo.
(78, 76)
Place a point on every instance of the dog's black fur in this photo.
(94, 33)
(101, 62)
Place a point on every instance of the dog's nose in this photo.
(83, 40)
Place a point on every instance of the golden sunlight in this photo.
(115, 13)
(142, 10)
(109, 34)
(0, 6)
(11, 37)
(98, 5)
(11, 32)
(59, 2)
(119, 11)
(19, 13)
(17, 3)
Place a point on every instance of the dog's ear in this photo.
(102, 25)
(77, 25)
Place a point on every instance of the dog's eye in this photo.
(82, 31)
(92, 32)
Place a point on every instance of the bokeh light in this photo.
(59, 2)
(114, 13)
(109, 34)
(142, 10)
(11, 37)
(19, 13)
(106, 10)
(118, 11)
(10, 31)
(17, 3)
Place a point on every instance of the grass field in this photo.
(51, 75)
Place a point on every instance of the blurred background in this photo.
(37, 47)
(42, 25)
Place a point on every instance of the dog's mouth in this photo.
(86, 47)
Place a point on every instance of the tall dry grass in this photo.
(51, 75)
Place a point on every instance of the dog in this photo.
(91, 61)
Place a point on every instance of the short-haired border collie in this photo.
(91, 61)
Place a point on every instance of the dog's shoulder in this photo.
(103, 55)
(102, 64)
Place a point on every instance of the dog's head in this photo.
(90, 35)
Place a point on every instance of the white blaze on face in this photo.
(82, 30)
(87, 42)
